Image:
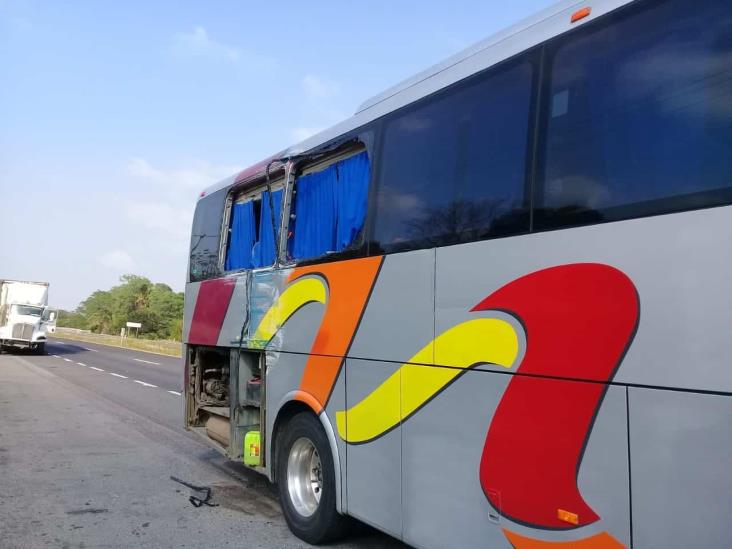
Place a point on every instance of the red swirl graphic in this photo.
(579, 320)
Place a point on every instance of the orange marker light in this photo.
(566, 516)
(581, 14)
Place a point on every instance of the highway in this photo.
(147, 383)
(90, 437)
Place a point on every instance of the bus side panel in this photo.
(680, 453)
(266, 289)
(284, 369)
(284, 375)
(336, 403)
(446, 502)
(397, 326)
(444, 505)
(680, 265)
(399, 317)
(189, 305)
(374, 472)
(231, 328)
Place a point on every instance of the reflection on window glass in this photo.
(640, 116)
(454, 168)
(27, 310)
(206, 237)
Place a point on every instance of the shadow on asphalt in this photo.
(28, 352)
(65, 349)
(254, 489)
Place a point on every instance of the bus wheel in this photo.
(306, 480)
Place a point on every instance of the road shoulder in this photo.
(79, 471)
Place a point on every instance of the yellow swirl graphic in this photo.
(479, 341)
(297, 294)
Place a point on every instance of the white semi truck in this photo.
(25, 318)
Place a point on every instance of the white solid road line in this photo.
(117, 375)
(145, 384)
(176, 393)
(146, 361)
(81, 364)
(95, 368)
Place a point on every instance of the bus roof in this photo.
(525, 34)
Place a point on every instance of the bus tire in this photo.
(306, 480)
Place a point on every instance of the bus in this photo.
(493, 307)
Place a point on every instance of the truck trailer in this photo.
(25, 318)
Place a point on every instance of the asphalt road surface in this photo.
(89, 440)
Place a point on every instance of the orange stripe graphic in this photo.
(349, 287)
(602, 540)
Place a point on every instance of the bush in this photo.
(156, 306)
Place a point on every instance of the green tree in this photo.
(99, 312)
(71, 319)
(176, 329)
(156, 306)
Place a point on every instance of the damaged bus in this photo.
(490, 309)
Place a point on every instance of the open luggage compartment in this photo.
(225, 391)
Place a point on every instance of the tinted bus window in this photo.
(639, 115)
(453, 169)
(206, 237)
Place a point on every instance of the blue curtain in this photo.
(241, 239)
(315, 214)
(263, 252)
(352, 193)
(330, 207)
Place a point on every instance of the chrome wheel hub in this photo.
(304, 477)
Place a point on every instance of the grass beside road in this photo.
(158, 346)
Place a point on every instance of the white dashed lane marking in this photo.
(146, 361)
(145, 384)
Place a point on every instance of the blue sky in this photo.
(114, 115)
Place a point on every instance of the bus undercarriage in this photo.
(224, 394)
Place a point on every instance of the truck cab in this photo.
(25, 318)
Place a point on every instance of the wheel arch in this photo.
(293, 403)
